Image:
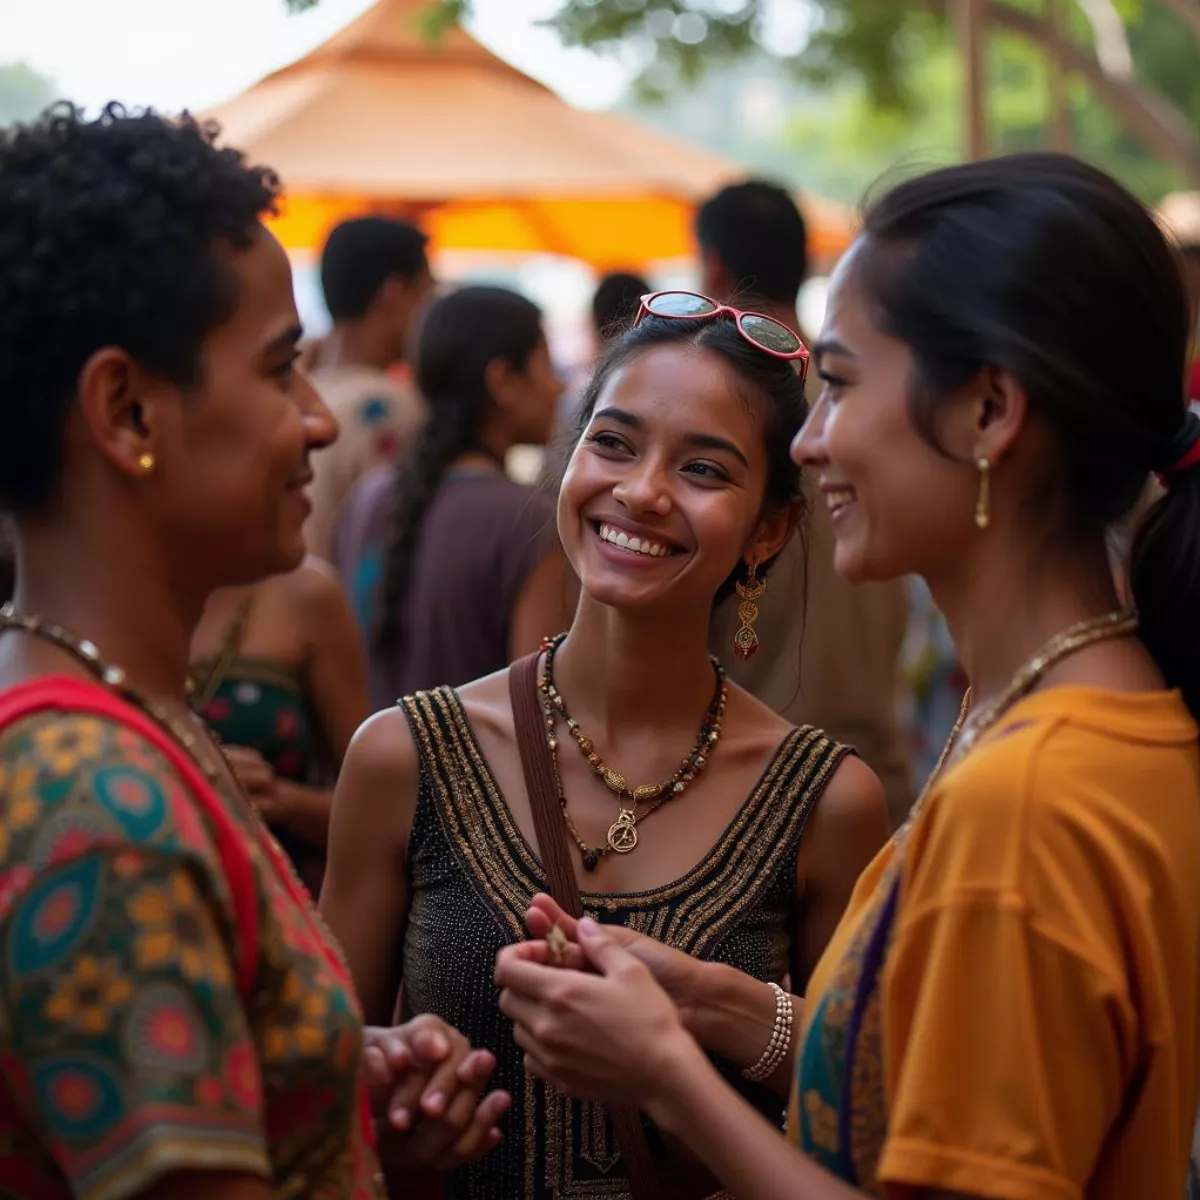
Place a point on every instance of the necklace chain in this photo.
(623, 833)
(969, 727)
(117, 680)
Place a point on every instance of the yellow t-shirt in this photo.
(1039, 997)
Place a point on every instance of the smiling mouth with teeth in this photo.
(839, 498)
(636, 545)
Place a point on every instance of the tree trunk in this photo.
(1060, 133)
(971, 20)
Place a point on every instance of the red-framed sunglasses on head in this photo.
(762, 332)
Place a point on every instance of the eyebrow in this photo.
(832, 346)
(702, 441)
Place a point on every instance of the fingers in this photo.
(516, 969)
(428, 1041)
(445, 1084)
(545, 912)
(385, 1056)
(403, 1108)
(601, 950)
(482, 1134)
(571, 958)
(521, 1010)
(438, 1132)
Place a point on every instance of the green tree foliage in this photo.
(851, 140)
(23, 93)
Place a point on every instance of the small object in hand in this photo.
(556, 942)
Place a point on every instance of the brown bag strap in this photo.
(560, 877)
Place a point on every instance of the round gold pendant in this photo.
(622, 833)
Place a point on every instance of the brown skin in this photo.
(621, 1030)
(302, 621)
(127, 556)
(635, 673)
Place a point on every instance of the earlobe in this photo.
(116, 409)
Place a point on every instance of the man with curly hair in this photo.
(174, 1021)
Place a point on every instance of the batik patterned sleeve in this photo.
(123, 1037)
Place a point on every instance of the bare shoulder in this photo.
(382, 753)
(488, 705)
(853, 809)
(314, 584)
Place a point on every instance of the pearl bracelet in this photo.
(781, 1039)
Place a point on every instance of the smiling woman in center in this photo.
(719, 841)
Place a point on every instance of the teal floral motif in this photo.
(55, 917)
(80, 1098)
(133, 797)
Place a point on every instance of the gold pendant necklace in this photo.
(622, 837)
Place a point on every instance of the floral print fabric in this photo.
(126, 1049)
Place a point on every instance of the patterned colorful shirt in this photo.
(127, 1051)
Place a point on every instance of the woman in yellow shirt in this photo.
(1009, 1007)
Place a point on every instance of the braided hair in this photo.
(460, 335)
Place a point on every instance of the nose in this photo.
(808, 446)
(644, 488)
(320, 425)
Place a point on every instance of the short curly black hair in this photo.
(110, 235)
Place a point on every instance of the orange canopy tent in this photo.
(483, 157)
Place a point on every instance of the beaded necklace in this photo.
(623, 833)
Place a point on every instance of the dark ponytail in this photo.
(1164, 572)
(1046, 268)
(460, 334)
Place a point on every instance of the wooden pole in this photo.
(971, 20)
(1059, 132)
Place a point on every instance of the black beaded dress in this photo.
(472, 875)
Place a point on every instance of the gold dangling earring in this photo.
(745, 641)
(983, 513)
(146, 462)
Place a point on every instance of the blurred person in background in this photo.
(278, 674)
(375, 277)
(829, 649)
(453, 568)
(615, 305)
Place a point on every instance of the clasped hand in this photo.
(602, 1019)
(425, 1083)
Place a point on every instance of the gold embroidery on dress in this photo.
(734, 903)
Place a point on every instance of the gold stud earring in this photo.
(983, 510)
(146, 462)
(745, 641)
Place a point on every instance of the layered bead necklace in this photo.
(623, 833)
